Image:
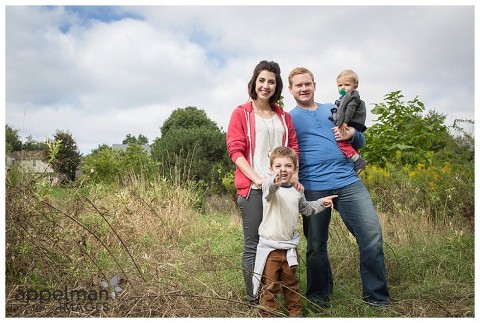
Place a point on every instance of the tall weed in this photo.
(441, 193)
(147, 243)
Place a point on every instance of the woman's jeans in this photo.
(251, 210)
(356, 209)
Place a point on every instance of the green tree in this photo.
(103, 165)
(67, 157)
(108, 165)
(99, 148)
(402, 134)
(130, 139)
(460, 144)
(192, 146)
(187, 118)
(12, 140)
(135, 160)
(30, 144)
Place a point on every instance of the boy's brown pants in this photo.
(279, 276)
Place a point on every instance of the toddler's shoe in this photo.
(359, 165)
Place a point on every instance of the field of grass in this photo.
(159, 256)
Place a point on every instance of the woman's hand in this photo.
(259, 181)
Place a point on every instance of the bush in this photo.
(443, 192)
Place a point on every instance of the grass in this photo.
(430, 272)
(174, 261)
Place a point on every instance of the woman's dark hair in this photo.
(271, 67)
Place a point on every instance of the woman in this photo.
(255, 129)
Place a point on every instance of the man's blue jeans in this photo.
(358, 213)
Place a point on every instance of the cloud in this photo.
(105, 72)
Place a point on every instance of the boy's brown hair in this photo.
(283, 152)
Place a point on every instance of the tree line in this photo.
(191, 147)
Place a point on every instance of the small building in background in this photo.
(33, 161)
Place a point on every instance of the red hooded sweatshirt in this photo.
(241, 139)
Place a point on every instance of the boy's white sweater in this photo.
(278, 230)
(281, 209)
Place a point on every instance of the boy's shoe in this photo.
(359, 165)
(253, 301)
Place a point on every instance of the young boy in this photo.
(350, 111)
(276, 259)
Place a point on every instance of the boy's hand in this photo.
(328, 201)
(277, 180)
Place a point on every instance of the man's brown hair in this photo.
(297, 71)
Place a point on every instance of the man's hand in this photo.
(348, 134)
(296, 183)
(343, 128)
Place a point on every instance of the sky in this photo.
(102, 72)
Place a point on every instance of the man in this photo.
(324, 171)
